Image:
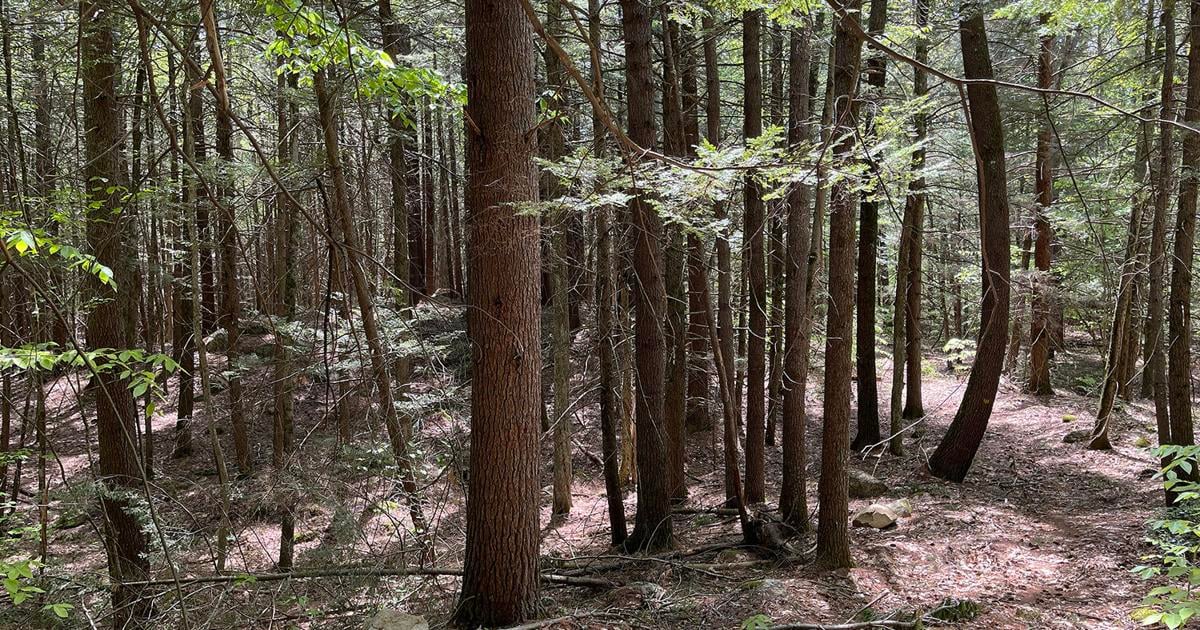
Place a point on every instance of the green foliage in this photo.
(1176, 541)
(24, 241)
(308, 42)
(757, 622)
(960, 351)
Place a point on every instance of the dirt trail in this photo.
(1042, 534)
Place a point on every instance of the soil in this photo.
(1042, 534)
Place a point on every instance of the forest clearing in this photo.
(754, 314)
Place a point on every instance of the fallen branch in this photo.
(251, 578)
(863, 625)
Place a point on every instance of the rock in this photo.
(865, 486)
(1079, 435)
(638, 594)
(388, 619)
(877, 515)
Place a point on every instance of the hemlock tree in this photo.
(652, 524)
(833, 535)
(954, 454)
(500, 581)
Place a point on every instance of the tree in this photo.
(610, 400)
(868, 248)
(652, 524)
(500, 582)
(755, 226)
(793, 501)
(954, 454)
(552, 139)
(1179, 322)
(833, 536)
(116, 410)
(1039, 335)
(712, 121)
(227, 225)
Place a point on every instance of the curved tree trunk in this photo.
(954, 454)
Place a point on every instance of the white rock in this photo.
(388, 619)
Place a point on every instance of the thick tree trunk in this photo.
(1179, 321)
(954, 454)
(833, 535)
(500, 584)
(116, 410)
(652, 524)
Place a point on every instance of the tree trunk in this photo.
(712, 115)
(868, 250)
(116, 410)
(397, 435)
(500, 584)
(227, 225)
(833, 536)
(610, 398)
(1179, 322)
(954, 454)
(1039, 334)
(652, 524)
(1154, 376)
(793, 500)
(755, 226)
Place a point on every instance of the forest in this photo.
(753, 314)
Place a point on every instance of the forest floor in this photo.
(1042, 534)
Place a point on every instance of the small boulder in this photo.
(865, 486)
(878, 516)
(389, 619)
(1079, 435)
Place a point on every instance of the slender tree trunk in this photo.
(397, 436)
(1154, 377)
(553, 145)
(1039, 334)
(712, 115)
(954, 454)
(610, 398)
(756, 366)
(500, 584)
(868, 250)
(793, 502)
(185, 298)
(227, 225)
